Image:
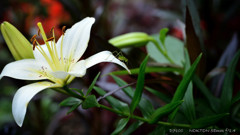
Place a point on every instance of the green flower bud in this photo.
(135, 39)
(18, 45)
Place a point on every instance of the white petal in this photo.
(76, 39)
(104, 56)
(78, 69)
(26, 69)
(22, 98)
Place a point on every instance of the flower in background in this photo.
(57, 62)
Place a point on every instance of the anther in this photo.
(51, 31)
(63, 29)
(50, 39)
(38, 32)
(32, 39)
(34, 43)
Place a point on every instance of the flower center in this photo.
(54, 59)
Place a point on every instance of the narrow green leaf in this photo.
(162, 111)
(132, 128)
(78, 90)
(208, 120)
(115, 103)
(212, 100)
(150, 70)
(162, 35)
(188, 107)
(140, 84)
(75, 106)
(120, 126)
(160, 95)
(70, 101)
(159, 130)
(182, 87)
(93, 83)
(144, 105)
(236, 98)
(227, 90)
(89, 102)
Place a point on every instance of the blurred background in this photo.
(219, 23)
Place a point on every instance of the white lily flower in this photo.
(58, 62)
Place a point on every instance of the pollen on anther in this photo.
(32, 39)
(50, 39)
(63, 29)
(34, 44)
(51, 31)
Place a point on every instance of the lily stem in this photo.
(143, 119)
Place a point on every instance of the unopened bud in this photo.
(18, 45)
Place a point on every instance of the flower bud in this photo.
(134, 39)
(18, 45)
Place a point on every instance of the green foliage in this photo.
(90, 102)
(92, 84)
(150, 70)
(162, 35)
(139, 88)
(207, 120)
(144, 105)
(71, 102)
(120, 126)
(132, 127)
(160, 95)
(164, 111)
(227, 89)
(174, 48)
(115, 103)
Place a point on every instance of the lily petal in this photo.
(78, 69)
(22, 98)
(104, 56)
(26, 69)
(76, 39)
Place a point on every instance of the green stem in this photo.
(164, 52)
(143, 119)
(71, 93)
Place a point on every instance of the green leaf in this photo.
(162, 35)
(115, 103)
(120, 126)
(144, 105)
(236, 98)
(160, 95)
(159, 130)
(70, 101)
(149, 70)
(75, 106)
(92, 84)
(227, 90)
(174, 47)
(212, 100)
(132, 128)
(78, 90)
(162, 111)
(140, 84)
(89, 102)
(188, 106)
(182, 87)
(208, 120)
